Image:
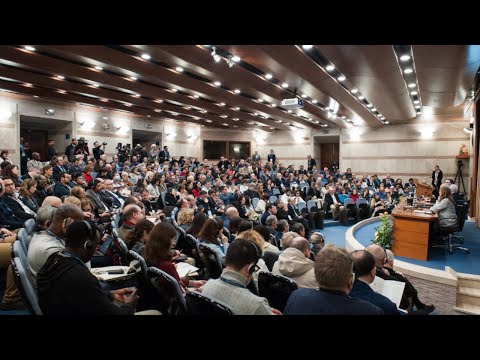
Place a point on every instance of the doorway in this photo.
(37, 131)
(326, 151)
(146, 138)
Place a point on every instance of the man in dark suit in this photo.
(365, 272)
(108, 191)
(20, 210)
(58, 169)
(271, 157)
(270, 209)
(310, 163)
(223, 164)
(334, 274)
(437, 176)
(164, 155)
(61, 187)
(70, 150)
(255, 157)
(51, 152)
(332, 202)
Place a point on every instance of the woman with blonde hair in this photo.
(27, 189)
(78, 192)
(255, 237)
(185, 218)
(72, 200)
(445, 208)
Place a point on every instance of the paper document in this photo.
(390, 288)
(184, 269)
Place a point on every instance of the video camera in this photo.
(459, 164)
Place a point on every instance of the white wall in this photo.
(401, 151)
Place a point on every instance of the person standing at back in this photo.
(51, 152)
(271, 157)
(437, 176)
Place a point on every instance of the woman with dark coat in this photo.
(437, 176)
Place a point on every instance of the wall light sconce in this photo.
(123, 129)
(5, 114)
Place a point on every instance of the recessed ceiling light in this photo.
(223, 116)
(158, 110)
(314, 101)
(128, 104)
(174, 90)
(146, 56)
(237, 108)
(342, 117)
(104, 100)
(304, 96)
(354, 91)
(330, 67)
(99, 68)
(136, 95)
(204, 111)
(95, 85)
(413, 93)
(373, 109)
(209, 121)
(273, 105)
(35, 96)
(317, 122)
(285, 85)
(382, 117)
(237, 91)
(361, 97)
(62, 91)
(236, 59)
(412, 85)
(386, 122)
(159, 101)
(256, 114)
(30, 48)
(369, 105)
(419, 112)
(268, 76)
(289, 111)
(217, 83)
(179, 69)
(341, 78)
(416, 101)
(195, 96)
(260, 100)
(235, 119)
(28, 85)
(188, 107)
(417, 106)
(196, 117)
(405, 57)
(60, 77)
(307, 47)
(133, 78)
(222, 104)
(225, 124)
(408, 70)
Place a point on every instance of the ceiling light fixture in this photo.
(145, 56)
(307, 47)
(29, 48)
(179, 69)
(341, 78)
(237, 91)
(405, 57)
(214, 54)
(408, 70)
(268, 76)
(217, 83)
(330, 67)
(99, 68)
(133, 78)
(285, 85)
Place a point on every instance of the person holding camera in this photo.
(82, 148)
(97, 152)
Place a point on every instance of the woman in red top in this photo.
(159, 253)
(87, 173)
(354, 196)
(197, 187)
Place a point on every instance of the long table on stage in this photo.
(410, 231)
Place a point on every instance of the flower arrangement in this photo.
(383, 233)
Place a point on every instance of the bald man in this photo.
(51, 241)
(52, 201)
(386, 273)
(295, 264)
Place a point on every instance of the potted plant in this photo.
(383, 233)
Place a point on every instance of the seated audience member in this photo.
(10, 199)
(265, 245)
(365, 272)
(131, 215)
(197, 224)
(185, 218)
(295, 264)
(455, 195)
(445, 207)
(212, 235)
(334, 274)
(139, 236)
(52, 201)
(282, 228)
(244, 226)
(386, 272)
(234, 223)
(159, 253)
(27, 189)
(287, 239)
(72, 200)
(43, 220)
(377, 205)
(231, 288)
(318, 242)
(67, 287)
(46, 243)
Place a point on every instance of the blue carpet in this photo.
(438, 258)
(334, 234)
